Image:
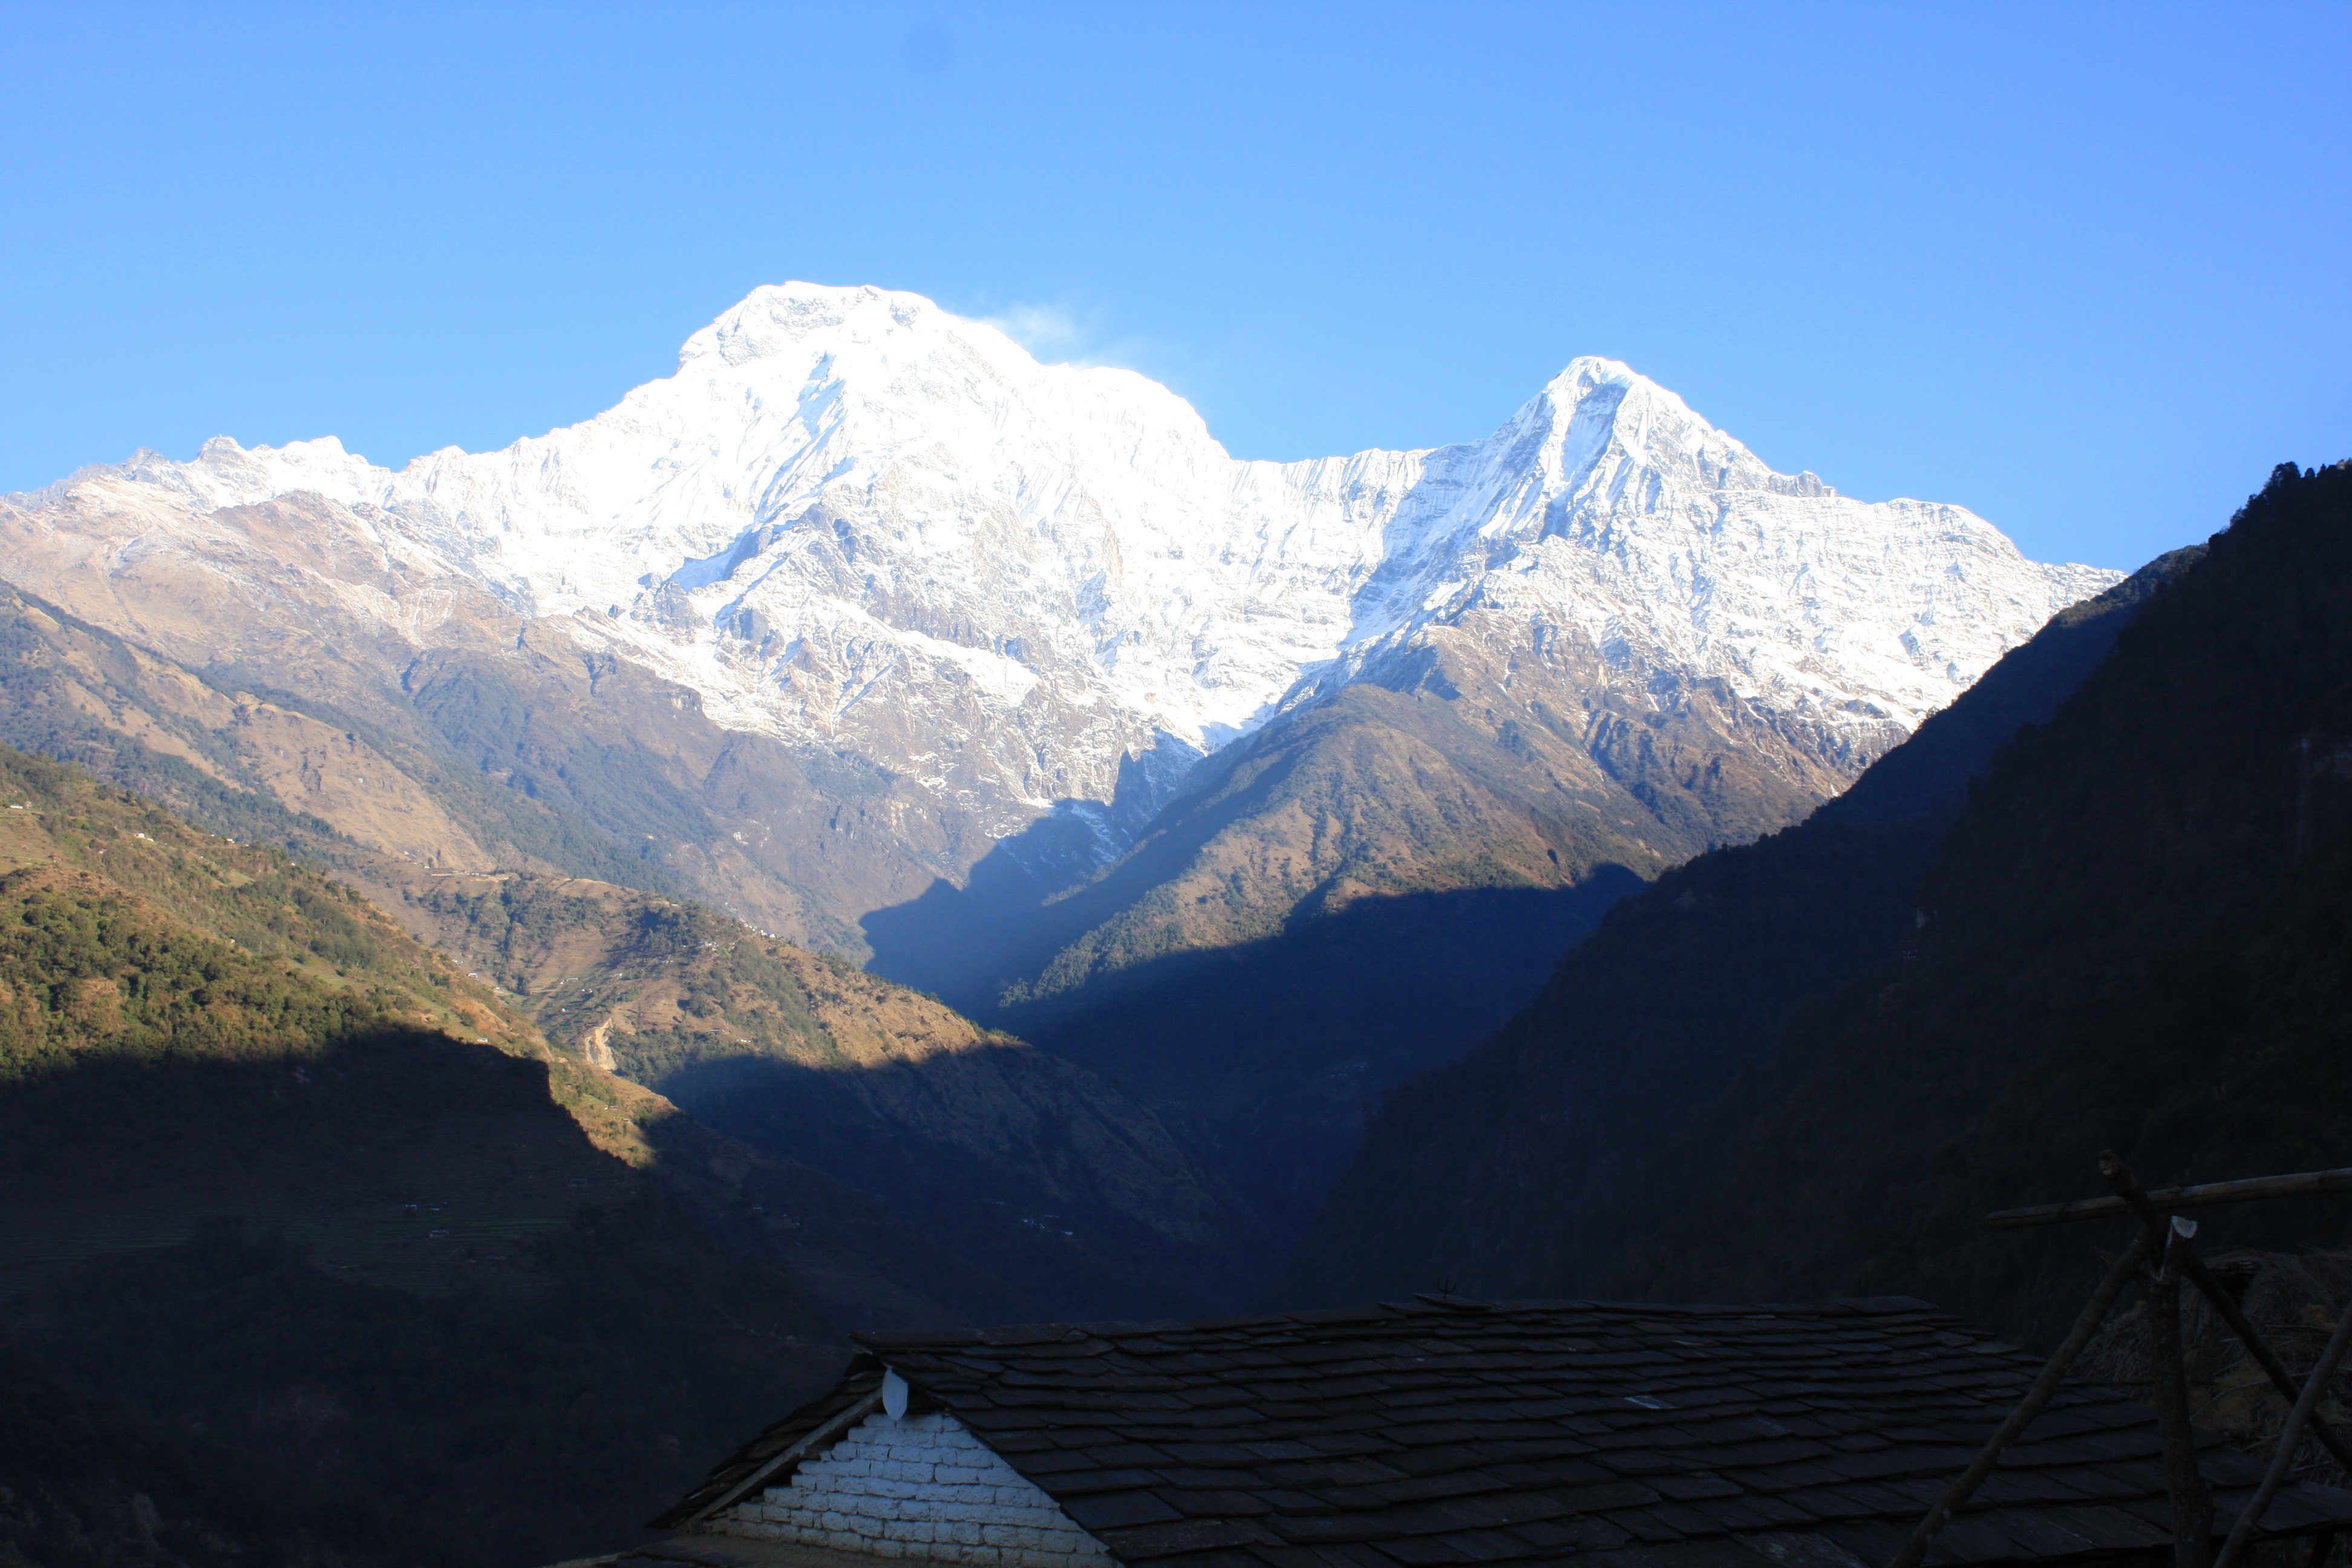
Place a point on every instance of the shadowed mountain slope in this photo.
(966, 1132)
(1028, 1163)
(1490, 806)
(1488, 1175)
(280, 1185)
(2139, 937)
(1357, 893)
(92, 1481)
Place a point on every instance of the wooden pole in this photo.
(2297, 1186)
(2128, 1188)
(2192, 1504)
(2037, 1398)
(2313, 1392)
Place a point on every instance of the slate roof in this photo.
(757, 1462)
(1438, 1431)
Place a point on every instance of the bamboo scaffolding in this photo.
(2192, 1505)
(1914, 1549)
(2184, 1484)
(2304, 1184)
(2313, 1392)
(2225, 1306)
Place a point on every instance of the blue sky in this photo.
(2083, 268)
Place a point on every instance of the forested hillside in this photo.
(1485, 1175)
(1056, 1177)
(1848, 1042)
(287, 1198)
(2139, 937)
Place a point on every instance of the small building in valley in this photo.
(1443, 1431)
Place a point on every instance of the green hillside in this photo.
(91, 1480)
(285, 1197)
(483, 808)
(1025, 1162)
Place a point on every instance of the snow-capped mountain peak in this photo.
(853, 520)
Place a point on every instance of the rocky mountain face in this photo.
(1856, 1039)
(870, 631)
(960, 589)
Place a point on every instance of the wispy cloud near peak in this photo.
(1050, 333)
(1059, 334)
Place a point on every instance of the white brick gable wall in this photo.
(917, 1487)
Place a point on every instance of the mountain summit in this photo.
(853, 520)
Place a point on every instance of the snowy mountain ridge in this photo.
(856, 522)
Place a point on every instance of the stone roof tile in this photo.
(1440, 1431)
